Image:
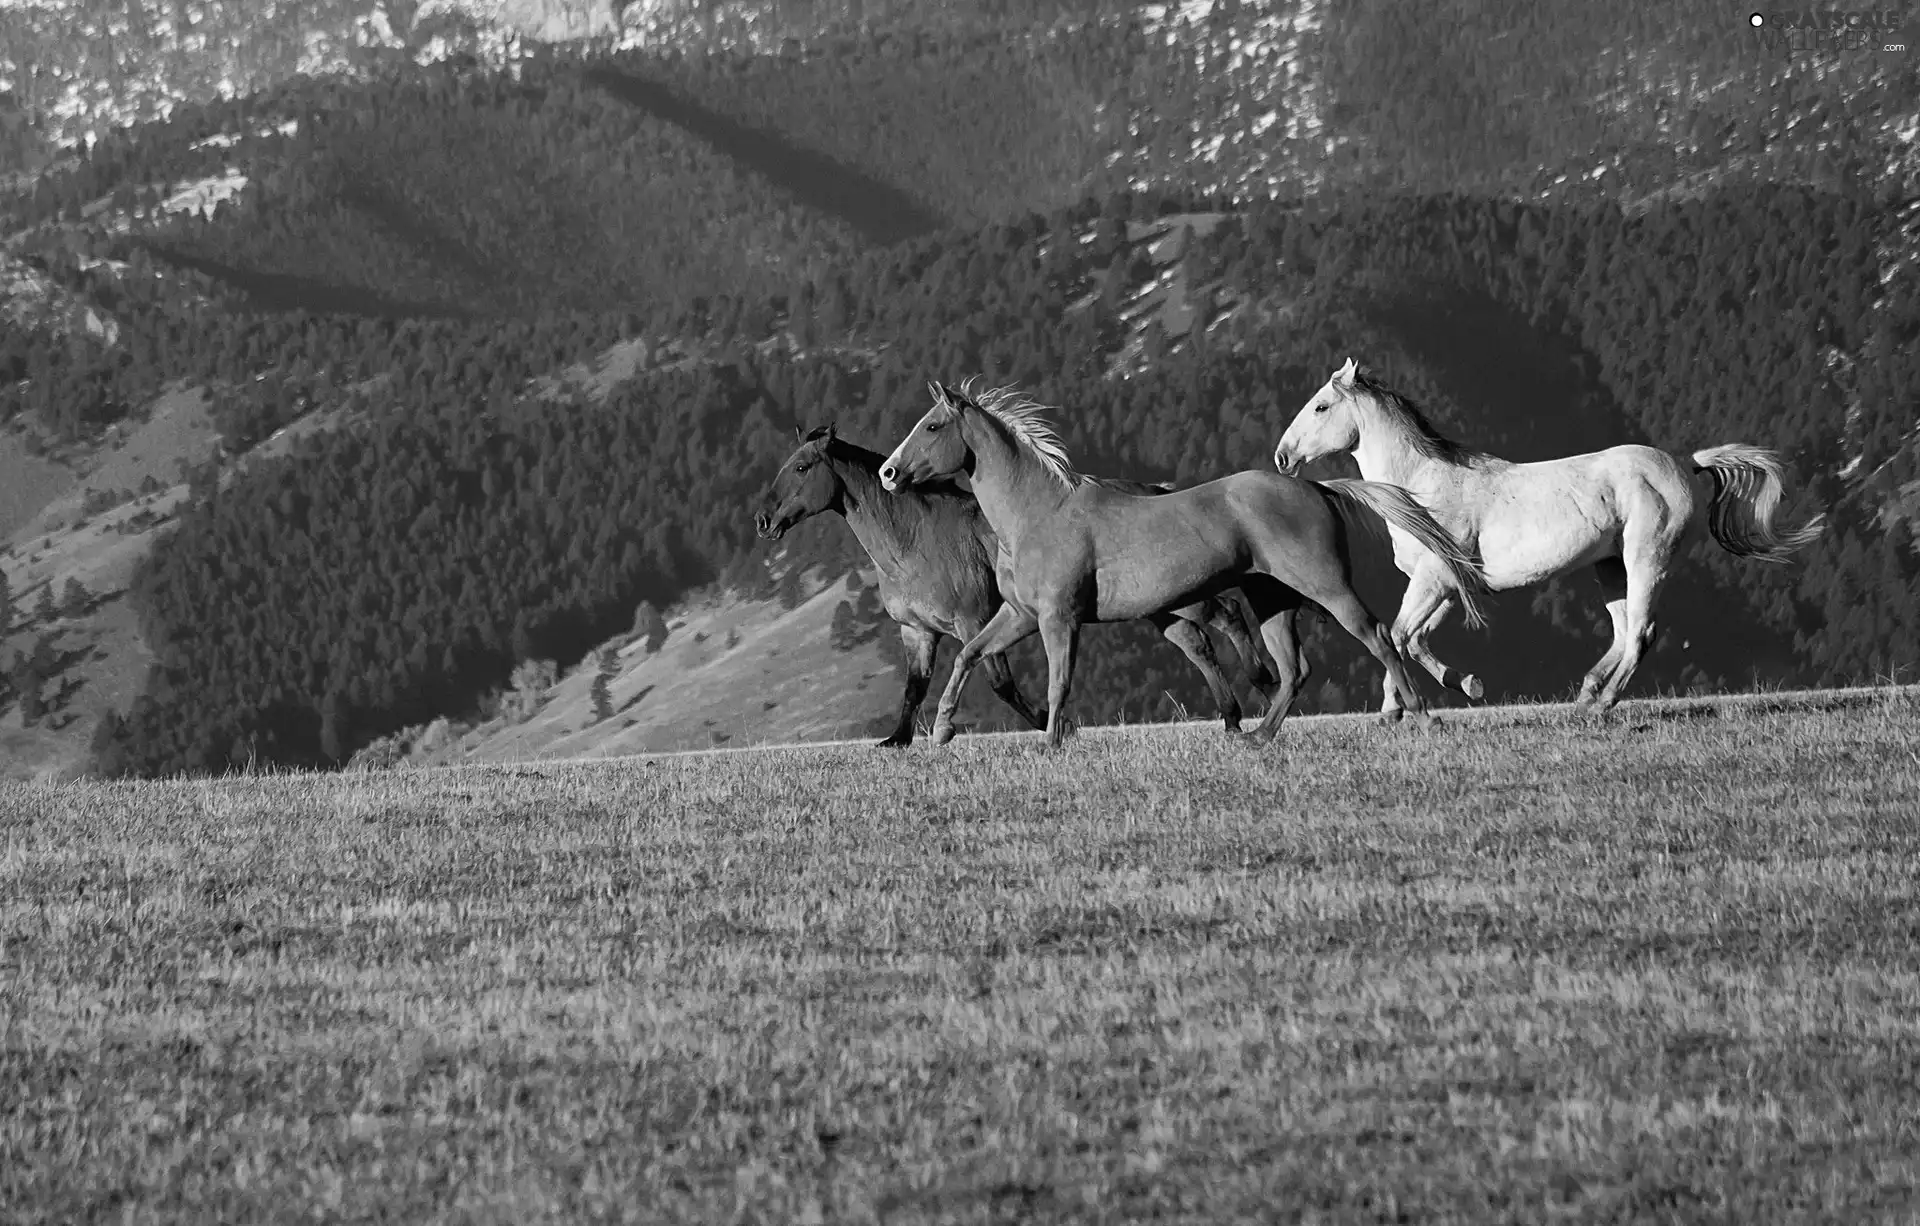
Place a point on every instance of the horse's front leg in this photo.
(1007, 627)
(1428, 603)
(1000, 677)
(920, 643)
(1061, 634)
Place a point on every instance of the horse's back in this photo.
(1617, 476)
(1532, 521)
(1224, 522)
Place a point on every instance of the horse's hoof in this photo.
(942, 733)
(1233, 727)
(1471, 687)
(1392, 715)
(896, 741)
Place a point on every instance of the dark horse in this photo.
(938, 561)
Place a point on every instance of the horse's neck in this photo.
(1011, 486)
(1387, 452)
(881, 522)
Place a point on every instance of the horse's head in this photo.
(805, 485)
(1325, 426)
(934, 447)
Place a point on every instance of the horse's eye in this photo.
(800, 468)
(932, 427)
(1319, 408)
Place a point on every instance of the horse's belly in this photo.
(1534, 551)
(1123, 593)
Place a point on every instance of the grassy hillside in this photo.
(730, 671)
(1660, 967)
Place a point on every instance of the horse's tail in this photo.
(1391, 505)
(1746, 493)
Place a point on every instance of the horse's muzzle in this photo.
(891, 478)
(768, 528)
(1287, 464)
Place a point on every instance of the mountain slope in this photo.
(571, 300)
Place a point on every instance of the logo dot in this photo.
(1757, 20)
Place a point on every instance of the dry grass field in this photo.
(1662, 967)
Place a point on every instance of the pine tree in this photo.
(844, 633)
(43, 610)
(334, 732)
(74, 599)
(606, 666)
(650, 626)
(792, 588)
(32, 702)
(6, 604)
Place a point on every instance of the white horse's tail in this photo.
(1746, 493)
(1390, 505)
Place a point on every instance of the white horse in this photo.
(1621, 511)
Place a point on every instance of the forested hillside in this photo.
(808, 234)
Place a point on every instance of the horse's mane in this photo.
(868, 462)
(1427, 440)
(1022, 418)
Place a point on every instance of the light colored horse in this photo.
(1078, 551)
(1620, 511)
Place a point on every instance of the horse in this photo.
(1079, 551)
(937, 560)
(1620, 511)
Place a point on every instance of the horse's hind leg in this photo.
(1611, 574)
(920, 643)
(1008, 626)
(1194, 643)
(1277, 607)
(1229, 615)
(1646, 573)
(1000, 680)
(1350, 612)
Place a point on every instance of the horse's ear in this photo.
(831, 435)
(951, 398)
(937, 390)
(1345, 374)
(799, 432)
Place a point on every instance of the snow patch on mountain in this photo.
(29, 298)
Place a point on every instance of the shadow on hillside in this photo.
(1530, 394)
(404, 223)
(285, 292)
(878, 211)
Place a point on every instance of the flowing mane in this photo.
(1426, 440)
(1022, 418)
